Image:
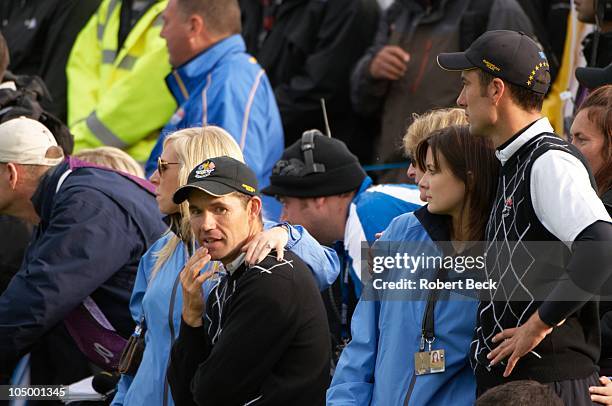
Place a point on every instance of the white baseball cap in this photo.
(26, 141)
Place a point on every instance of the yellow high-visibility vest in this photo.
(119, 97)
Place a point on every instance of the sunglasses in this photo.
(163, 165)
(412, 160)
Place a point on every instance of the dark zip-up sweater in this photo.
(265, 341)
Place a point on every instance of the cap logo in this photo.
(205, 170)
(535, 70)
(491, 66)
(248, 188)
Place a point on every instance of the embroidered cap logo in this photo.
(491, 66)
(205, 170)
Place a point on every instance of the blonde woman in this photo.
(111, 157)
(157, 295)
(421, 128)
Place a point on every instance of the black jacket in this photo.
(264, 340)
(308, 55)
(40, 34)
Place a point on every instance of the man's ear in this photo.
(320, 201)
(196, 25)
(13, 175)
(254, 206)
(496, 90)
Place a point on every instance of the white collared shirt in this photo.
(561, 192)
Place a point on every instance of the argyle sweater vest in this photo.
(525, 259)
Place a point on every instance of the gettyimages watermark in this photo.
(498, 271)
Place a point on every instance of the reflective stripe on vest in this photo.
(108, 56)
(127, 62)
(102, 133)
(109, 12)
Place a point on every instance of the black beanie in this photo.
(342, 173)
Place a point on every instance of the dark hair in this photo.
(472, 160)
(599, 105)
(520, 393)
(4, 56)
(525, 98)
(220, 16)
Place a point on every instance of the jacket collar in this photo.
(43, 197)
(436, 225)
(233, 266)
(509, 148)
(187, 78)
(367, 182)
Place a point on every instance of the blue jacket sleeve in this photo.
(143, 276)
(59, 274)
(353, 380)
(354, 377)
(140, 287)
(322, 261)
(122, 387)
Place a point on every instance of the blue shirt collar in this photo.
(191, 73)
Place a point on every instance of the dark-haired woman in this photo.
(386, 363)
(592, 135)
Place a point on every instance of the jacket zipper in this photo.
(171, 325)
(410, 389)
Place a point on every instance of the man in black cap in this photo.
(322, 186)
(545, 194)
(262, 335)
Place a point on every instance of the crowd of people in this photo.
(236, 202)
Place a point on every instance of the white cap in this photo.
(26, 141)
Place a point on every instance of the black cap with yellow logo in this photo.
(218, 177)
(509, 55)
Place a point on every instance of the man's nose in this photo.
(411, 172)
(208, 221)
(461, 99)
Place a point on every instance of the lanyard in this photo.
(428, 334)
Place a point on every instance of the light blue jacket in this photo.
(161, 300)
(377, 367)
(226, 87)
(370, 212)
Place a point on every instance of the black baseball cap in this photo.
(509, 55)
(219, 177)
(593, 78)
(338, 171)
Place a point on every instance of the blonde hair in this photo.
(113, 158)
(192, 146)
(425, 124)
